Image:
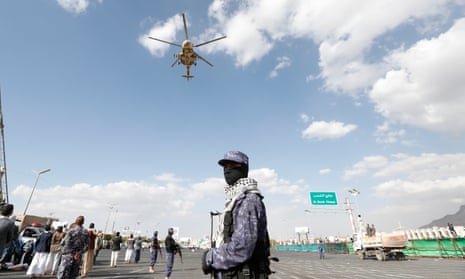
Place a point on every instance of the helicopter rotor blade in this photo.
(185, 26)
(166, 42)
(203, 59)
(175, 61)
(211, 41)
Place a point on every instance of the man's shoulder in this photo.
(251, 197)
(249, 201)
(5, 221)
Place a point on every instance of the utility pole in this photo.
(3, 176)
(351, 216)
(33, 188)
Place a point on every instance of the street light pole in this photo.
(33, 188)
(114, 220)
(354, 192)
(309, 229)
(110, 207)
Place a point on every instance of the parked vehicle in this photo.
(30, 233)
(383, 246)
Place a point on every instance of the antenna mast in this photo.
(3, 176)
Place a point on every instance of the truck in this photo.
(383, 246)
(23, 221)
(368, 244)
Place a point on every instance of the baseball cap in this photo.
(234, 156)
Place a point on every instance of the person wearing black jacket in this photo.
(154, 250)
(115, 248)
(171, 249)
(42, 249)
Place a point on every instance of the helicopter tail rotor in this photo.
(188, 74)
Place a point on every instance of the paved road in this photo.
(299, 265)
(292, 265)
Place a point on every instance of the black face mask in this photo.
(234, 174)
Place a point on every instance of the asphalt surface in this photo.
(292, 265)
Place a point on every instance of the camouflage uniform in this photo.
(245, 251)
(76, 242)
(242, 243)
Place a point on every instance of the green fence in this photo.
(339, 248)
(442, 248)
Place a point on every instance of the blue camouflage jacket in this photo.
(250, 226)
(76, 241)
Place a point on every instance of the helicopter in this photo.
(187, 56)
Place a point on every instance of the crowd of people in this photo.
(62, 252)
(67, 253)
(241, 248)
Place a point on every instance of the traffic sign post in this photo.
(323, 198)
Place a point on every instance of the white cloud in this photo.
(345, 34)
(367, 163)
(305, 118)
(414, 190)
(245, 42)
(384, 134)
(165, 31)
(427, 166)
(425, 188)
(74, 6)
(426, 89)
(420, 86)
(416, 203)
(248, 27)
(145, 201)
(168, 178)
(209, 187)
(283, 62)
(311, 78)
(170, 197)
(327, 130)
(325, 171)
(269, 182)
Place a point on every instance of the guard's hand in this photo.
(206, 268)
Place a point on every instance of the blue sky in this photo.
(322, 96)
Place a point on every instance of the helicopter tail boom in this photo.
(188, 73)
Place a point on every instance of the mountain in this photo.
(456, 219)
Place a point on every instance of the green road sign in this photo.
(323, 198)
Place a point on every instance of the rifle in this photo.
(178, 249)
(212, 243)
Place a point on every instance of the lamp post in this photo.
(309, 229)
(110, 207)
(33, 188)
(114, 220)
(354, 192)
